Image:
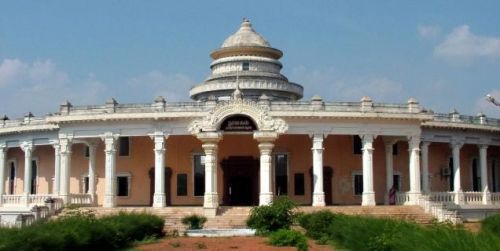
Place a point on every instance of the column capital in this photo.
(92, 143)
(317, 142)
(425, 143)
(27, 146)
(455, 143)
(367, 141)
(209, 137)
(265, 136)
(413, 143)
(266, 146)
(3, 148)
(110, 139)
(482, 146)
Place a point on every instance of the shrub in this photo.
(194, 221)
(285, 237)
(316, 223)
(82, 233)
(492, 224)
(278, 215)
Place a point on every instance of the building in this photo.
(245, 138)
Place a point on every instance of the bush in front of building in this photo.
(79, 232)
(316, 223)
(194, 221)
(290, 238)
(280, 214)
(366, 233)
(491, 224)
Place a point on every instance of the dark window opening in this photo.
(452, 174)
(396, 181)
(181, 184)
(86, 184)
(87, 151)
(395, 149)
(122, 186)
(246, 66)
(299, 184)
(12, 177)
(356, 144)
(358, 184)
(33, 176)
(281, 164)
(493, 176)
(199, 175)
(124, 146)
(476, 178)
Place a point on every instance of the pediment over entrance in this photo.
(238, 107)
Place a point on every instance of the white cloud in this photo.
(173, 87)
(428, 31)
(463, 46)
(488, 108)
(40, 86)
(331, 86)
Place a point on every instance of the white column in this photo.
(368, 197)
(57, 169)
(317, 151)
(92, 172)
(27, 147)
(65, 168)
(159, 199)
(3, 164)
(414, 152)
(457, 187)
(211, 199)
(110, 170)
(483, 151)
(389, 168)
(426, 188)
(266, 194)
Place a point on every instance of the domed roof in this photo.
(245, 36)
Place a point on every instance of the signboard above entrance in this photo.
(238, 123)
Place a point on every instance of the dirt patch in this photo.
(223, 243)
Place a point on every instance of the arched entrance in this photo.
(168, 175)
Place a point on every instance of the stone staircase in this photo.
(235, 217)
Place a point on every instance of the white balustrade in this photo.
(438, 210)
(8, 200)
(442, 197)
(80, 199)
(473, 198)
(495, 198)
(402, 198)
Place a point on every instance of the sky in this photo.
(446, 54)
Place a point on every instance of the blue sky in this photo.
(446, 54)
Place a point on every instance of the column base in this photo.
(211, 200)
(25, 200)
(109, 201)
(265, 199)
(413, 198)
(318, 199)
(459, 198)
(486, 197)
(159, 200)
(368, 199)
(64, 198)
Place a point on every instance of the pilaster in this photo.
(57, 168)
(426, 188)
(483, 152)
(92, 170)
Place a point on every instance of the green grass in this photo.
(365, 233)
(83, 232)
